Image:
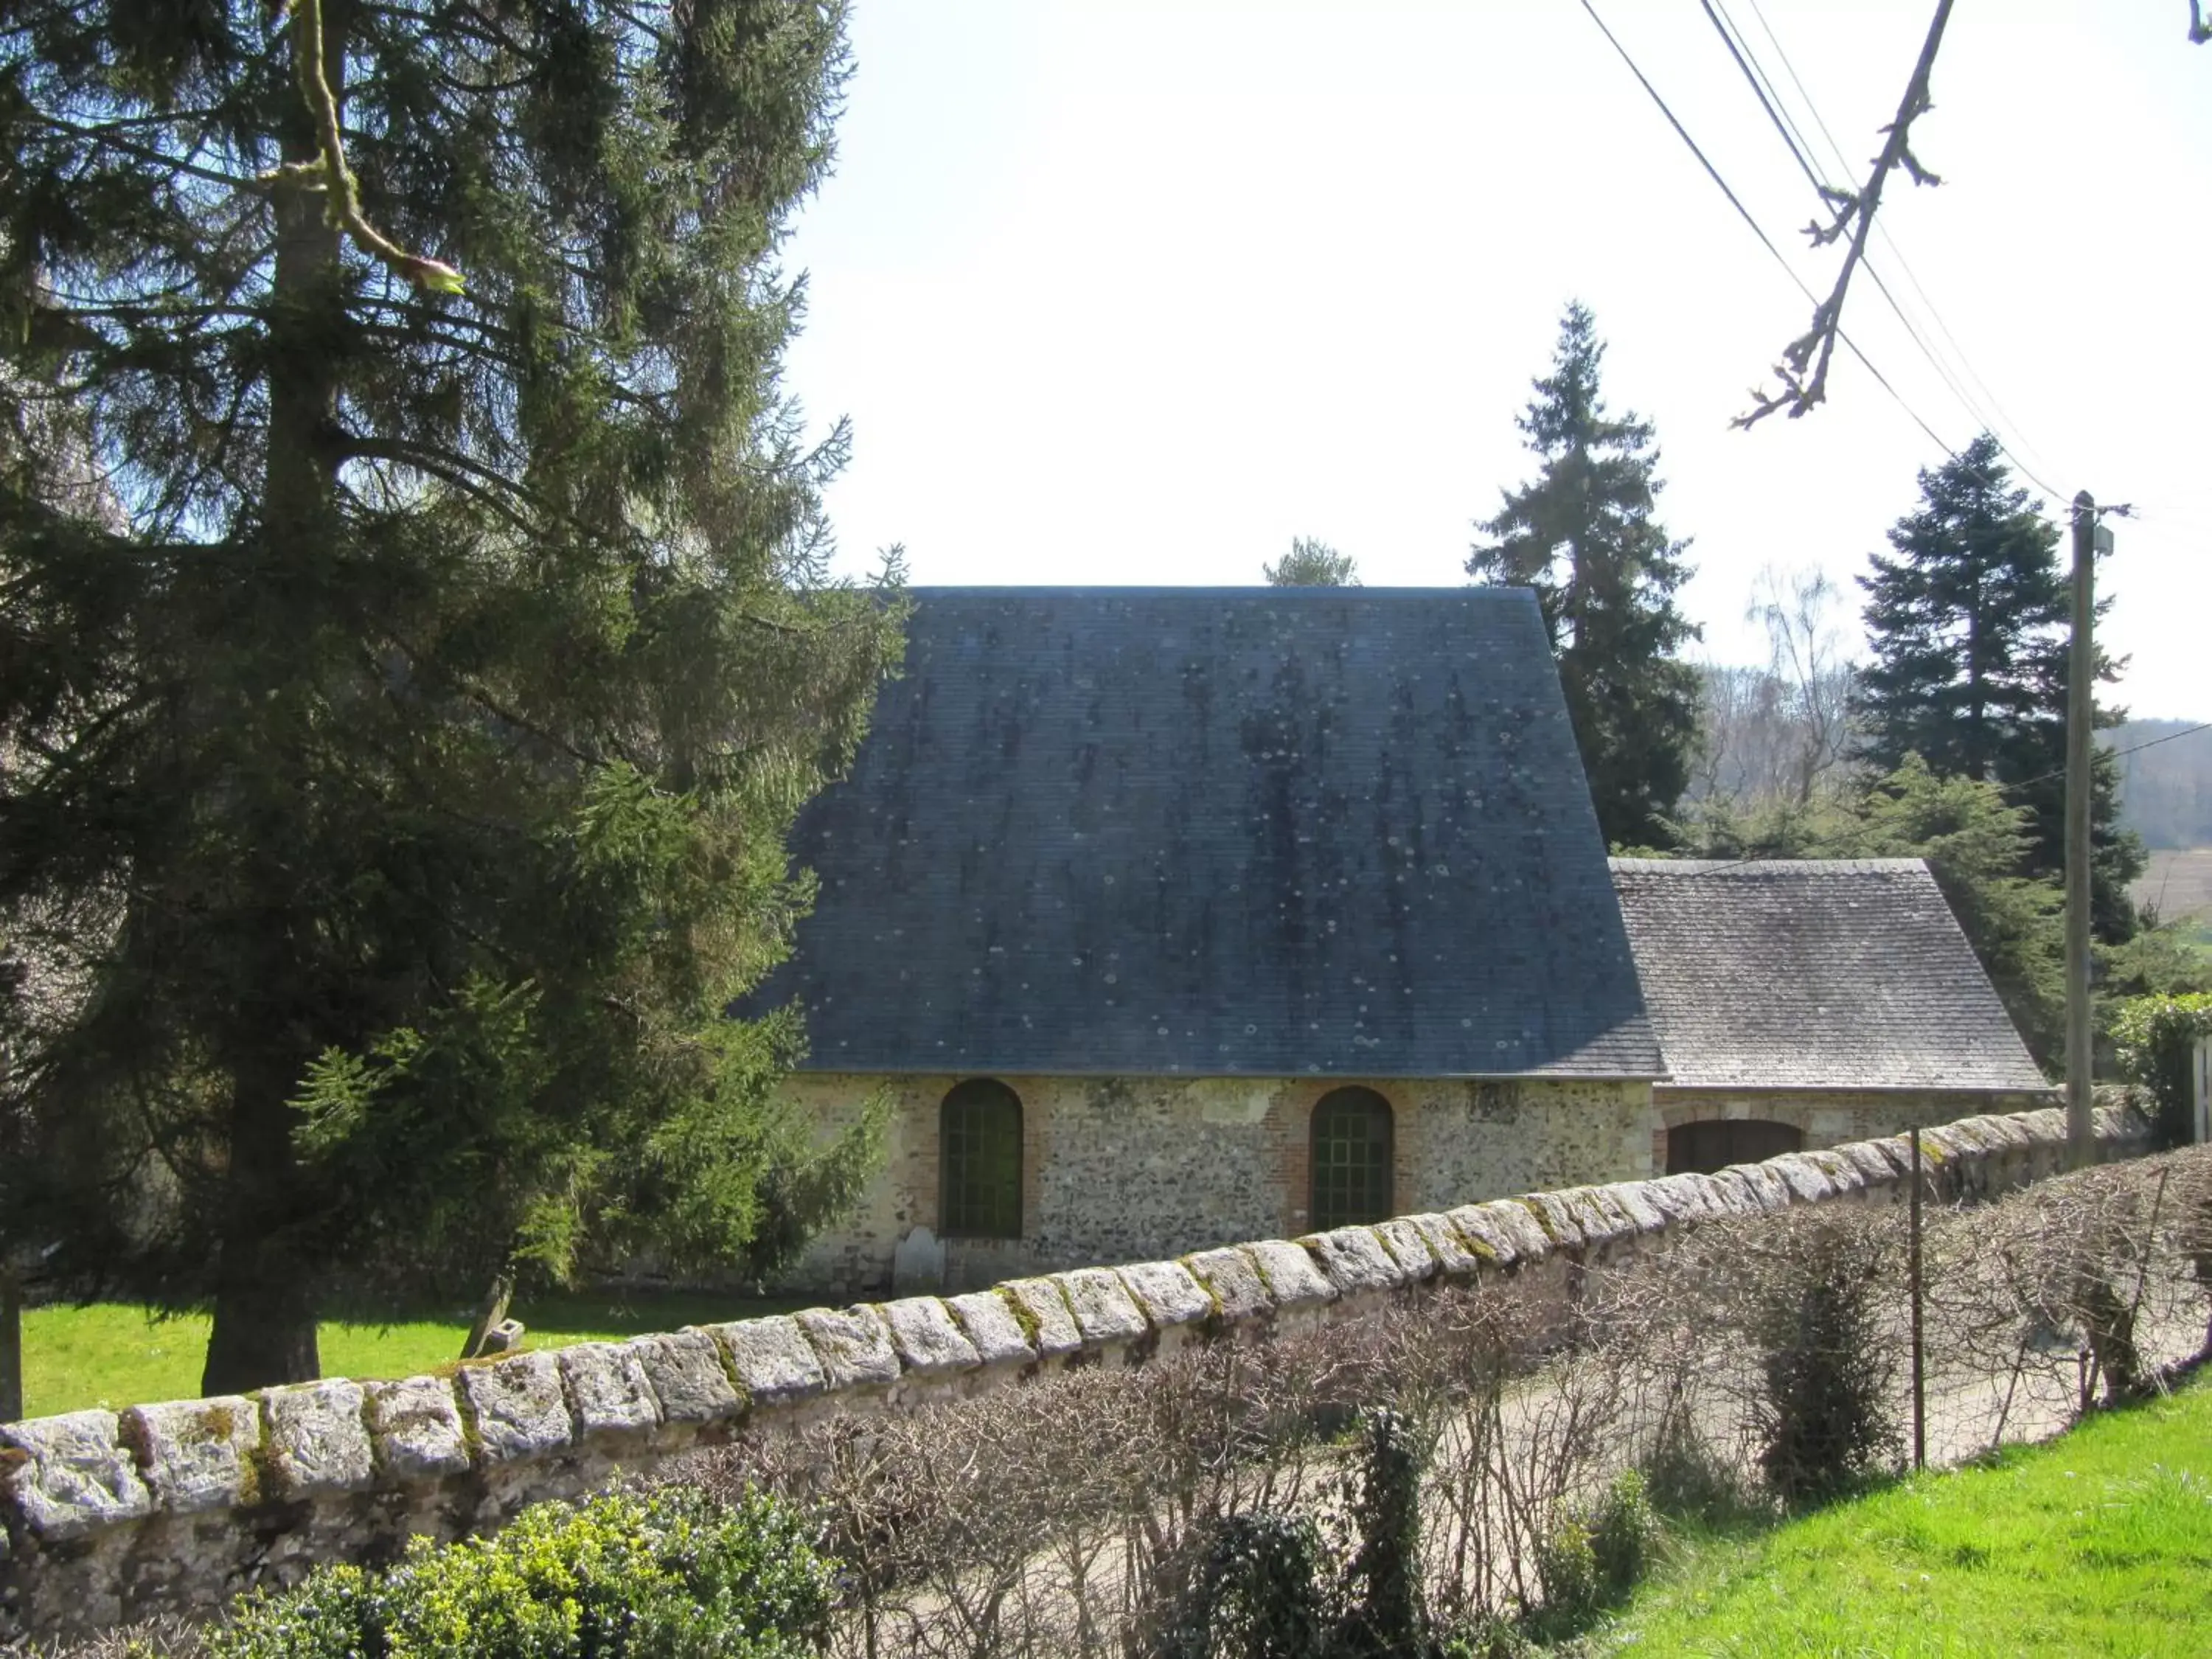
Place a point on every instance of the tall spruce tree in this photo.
(398, 763)
(1969, 623)
(1583, 536)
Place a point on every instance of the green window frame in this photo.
(1351, 1159)
(979, 1147)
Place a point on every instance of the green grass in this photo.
(114, 1354)
(2097, 1543)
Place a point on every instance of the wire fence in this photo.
(1457, 1455)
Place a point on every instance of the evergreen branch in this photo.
(341, 191)
(101, 137)
(1854, 213)
(471, 478)
(471, 692)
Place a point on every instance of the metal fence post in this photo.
(1919, 1352)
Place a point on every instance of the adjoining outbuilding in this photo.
(1166, 918)
(1803, 1003)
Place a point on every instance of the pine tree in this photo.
(397, 761)
(1969, 623)
(1311, 563)
(1583, 535)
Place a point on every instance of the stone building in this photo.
(1805, 1003)
(1164, 918)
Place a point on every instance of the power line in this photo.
(1770, 99)
(1792, 139)
(1798, 147)
(1765, 241)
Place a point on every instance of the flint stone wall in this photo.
(108, 1517)
(1123, 1169)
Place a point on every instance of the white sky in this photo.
(1130, 293)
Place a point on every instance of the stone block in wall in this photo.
(1878, 1181)
(927, 1339)
(1232, 1279)
(415, 1428)
(1043, 1307)
(1408, 1249)
(1172, 1302)
(1806, 1183)
(517, 1407)
(1506, 1228)
(317, 1439)
(1105, 1312)
(773, 1360)
(1843, 1177)
(1294, 1282)
(1733, 1189)
(685, 1372)
(2045, 1135)
(196, 1455)
(987, 1320)
(1635, 1205)
(1454, 1260)
(1357, 1264)
(76, 1477)
(854, 1345)
(607, 1390)
(1553, 1216)
(1601, 1228)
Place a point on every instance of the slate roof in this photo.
(1814, 974)
(1244, 831)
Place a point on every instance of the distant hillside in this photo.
(2177, 885)
(2165, 791)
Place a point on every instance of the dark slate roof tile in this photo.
(1251, 831)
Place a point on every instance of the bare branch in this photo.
(1803, 369)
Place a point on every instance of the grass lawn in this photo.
(114, 1354)
(2097, 1543)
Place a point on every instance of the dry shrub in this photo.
(1236, 1499)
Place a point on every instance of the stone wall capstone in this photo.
(107, 1517)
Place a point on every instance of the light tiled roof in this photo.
(1814, 974)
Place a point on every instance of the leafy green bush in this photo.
(1566, 1567)
(1258, 1595)
(1385, 1619)
(672, 1575)
(1624, 1533)
(2154, 1039)
(1592, 1559)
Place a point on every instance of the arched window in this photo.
(1351, 1159)
(979, 1157)
(1702, 1148)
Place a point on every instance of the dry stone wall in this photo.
(109, 1516)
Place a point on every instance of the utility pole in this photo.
(2089, 538)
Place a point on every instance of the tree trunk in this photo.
(264, 1304)
(11, 1346)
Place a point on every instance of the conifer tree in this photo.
(398, 758)
(1969, 622)
(1311, 563)
(1584, 537)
